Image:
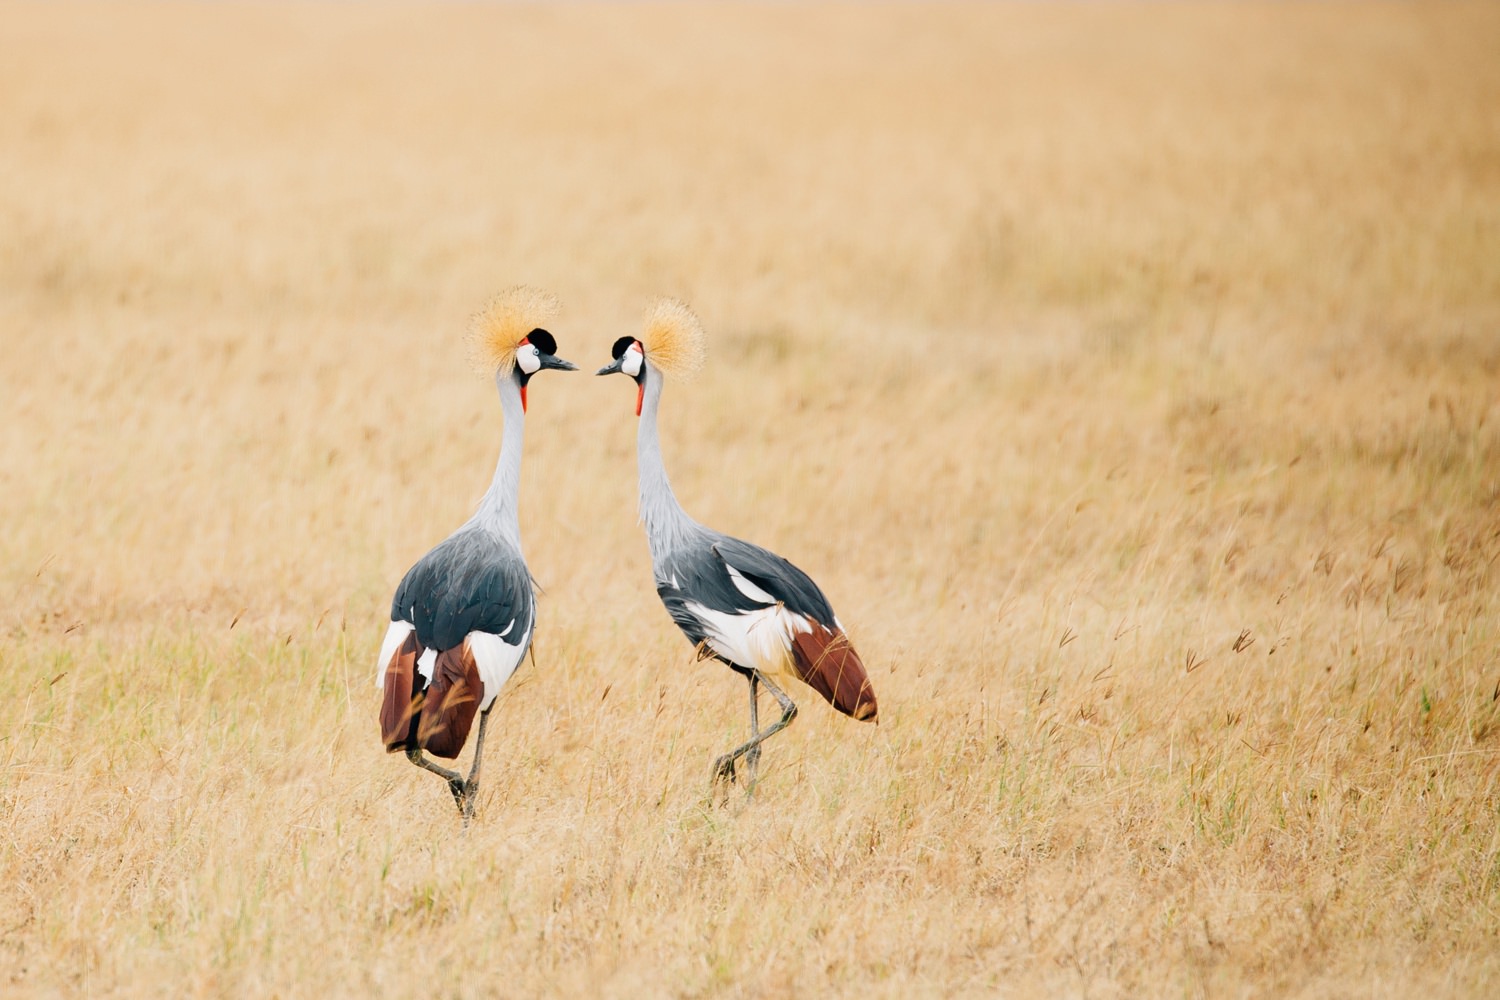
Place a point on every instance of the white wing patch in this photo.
(394, 637)
(747, 588)
(496, 660)
(760, 639)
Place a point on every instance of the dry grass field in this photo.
(1128, 376)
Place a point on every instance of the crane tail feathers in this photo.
(436, 715)
(827, 663)
(451, 701)
(400, 700)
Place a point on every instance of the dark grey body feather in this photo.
(474, 581)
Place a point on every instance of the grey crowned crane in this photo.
(736, 602)
(462, 617)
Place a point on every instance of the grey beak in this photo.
(612, 367)
(552, 361)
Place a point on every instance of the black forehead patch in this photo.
(621, 346)
(543, 340)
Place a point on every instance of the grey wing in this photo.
(785, 583)
(472, 582)
(697, 576)
(705, 575)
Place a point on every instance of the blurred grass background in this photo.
(1126, 374)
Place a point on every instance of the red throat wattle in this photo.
(523, 342)
(640, 397)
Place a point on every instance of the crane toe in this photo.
(723, 770)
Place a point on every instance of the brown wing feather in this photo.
(828, 664)
(452, 699)
(397, 707)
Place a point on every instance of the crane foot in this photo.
(724, 774)
(465, 794)
(723, 770)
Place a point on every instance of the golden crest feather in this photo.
(673, 339)
(498, 329)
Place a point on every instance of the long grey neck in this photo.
(498, 509)
(667, 526)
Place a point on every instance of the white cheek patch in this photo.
(630, 364)
(529, 359)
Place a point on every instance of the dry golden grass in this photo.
(1127, 375)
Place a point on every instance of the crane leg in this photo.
(752, 756)
(415, 755)
(466, 795)
(724, 766)
(463, 790)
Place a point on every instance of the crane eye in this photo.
(542, 340)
